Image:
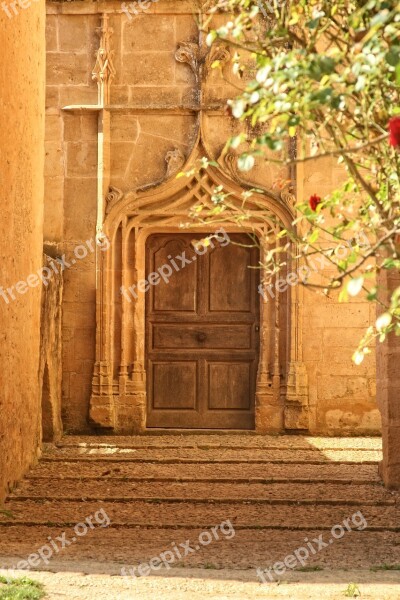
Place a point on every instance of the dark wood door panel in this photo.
(176, 289)
(202, 333)
(231, 279)
(229, 385)
(174, 385)
(206, 336)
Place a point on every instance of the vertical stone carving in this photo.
(113, 197)
(189, 52)
(175, 160)
(50, 365)
(201, 58)
(104, 70)
(217, 53)
(288, 195)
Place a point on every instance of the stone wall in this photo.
(22, 79)
(342, 394)
(70, 196)
(154, 95)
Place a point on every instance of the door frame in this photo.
(118, 402)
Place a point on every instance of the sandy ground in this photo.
(96, 582)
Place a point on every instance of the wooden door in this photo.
(202, 332)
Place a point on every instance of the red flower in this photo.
(394, 132)
(314, 201)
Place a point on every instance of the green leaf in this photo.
(313, 24)
(322, 96)
(320, 66)
(393, 56)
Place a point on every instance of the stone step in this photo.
(219, 455)
(248, 549)
(239, 472)
(222, 440)
(204, 491)
(189, 514)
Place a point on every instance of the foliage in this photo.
(386, 567)
(327, 74)
(352, 591)
(20, 589)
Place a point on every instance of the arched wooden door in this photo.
(202, 331)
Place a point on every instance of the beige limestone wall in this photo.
(70, 197)
(22, 79)
(342, 394)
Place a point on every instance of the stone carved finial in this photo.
(113, 197)
(188, 52)
(231, 163)
(287, 194)
(217, 53)
(175, 160)
(104, 70)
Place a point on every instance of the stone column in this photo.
(22, 85)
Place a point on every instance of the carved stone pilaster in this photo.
(131, 401)
(102, 410)
(269, 409)
(296, 407)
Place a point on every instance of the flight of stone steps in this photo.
(160, 491)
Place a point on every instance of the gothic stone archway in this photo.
(118, 400)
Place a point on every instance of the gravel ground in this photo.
(90, 582)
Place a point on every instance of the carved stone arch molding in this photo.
(118, 400)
